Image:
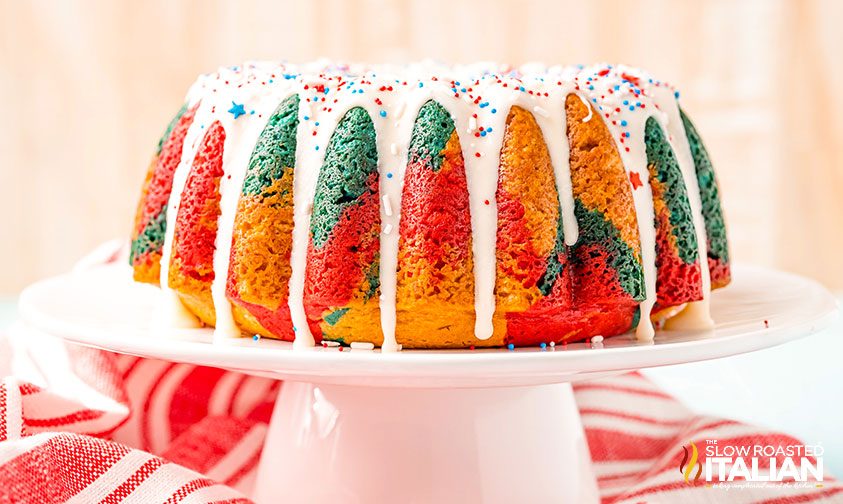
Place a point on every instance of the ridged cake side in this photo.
(432, 207)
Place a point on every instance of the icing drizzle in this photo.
(478, 98)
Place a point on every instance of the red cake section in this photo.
(676, 281)
(434, 212)
(196, 224)
(337, 270)
(161, 183)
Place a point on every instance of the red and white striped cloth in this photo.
(85, 425)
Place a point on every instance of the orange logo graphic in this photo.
(687, 466)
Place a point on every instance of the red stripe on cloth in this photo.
(262, 412)
(190, 400)
(615, 445)
(203, 445)
(69, 419)
(131, 367)
(235, 392)
(127, 487)
(29, 389)
(146, 436)
(57, 469)
(584, 387)
(630, 416)
(189, 488)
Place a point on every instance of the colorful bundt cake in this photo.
(426, 206)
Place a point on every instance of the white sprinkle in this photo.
(597, 339)
(362, 345)
(387, 206)
(540, 111)
(393, 149)
(387, 229)
(472, 124)
(328, 343)
(552, 343)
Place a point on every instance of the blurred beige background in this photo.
(88, 86)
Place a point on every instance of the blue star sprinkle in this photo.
(237, 109)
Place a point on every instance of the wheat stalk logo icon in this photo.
(686, 467)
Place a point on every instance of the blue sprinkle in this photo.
(482, 133)
(316, 123)
(594, 100)
(510, 346)
(617, 87)
(252, 112)
(591, 88)
(237, 109)
(489, 129)
(543, 345)
(421, 84)
(317, 148)
(623, 123)
(271, 81)
(626, 102)
(389, 175)
(494, 111)
(676, 94)
(632, 107)
(462, 90)
(202, 126)
(306, 118)
(295, 329)
(626, 134)
(256, 337)
(457, 83)
(383, 113)
(522, 88)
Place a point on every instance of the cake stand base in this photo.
(338, 443)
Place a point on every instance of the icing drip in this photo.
(478, 98)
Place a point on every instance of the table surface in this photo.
(796, 387)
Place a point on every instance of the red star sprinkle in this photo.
(635, 179)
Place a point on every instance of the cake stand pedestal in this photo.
(373, 444)
(423, 426)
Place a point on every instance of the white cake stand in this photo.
(424, 426)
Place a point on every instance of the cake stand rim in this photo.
(424, 368)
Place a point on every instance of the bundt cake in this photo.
(427, 206)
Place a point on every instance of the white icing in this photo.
(478, 98)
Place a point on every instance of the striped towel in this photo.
(85, 425)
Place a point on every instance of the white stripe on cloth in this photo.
(213, 493)
(138, 384)
(603, 469)
(12, 449)
(223, 393)
(248, 446)
(161, 484)
(161, 404)
(13, 409)
(112, 478)
(631, 404)
(252, 393)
